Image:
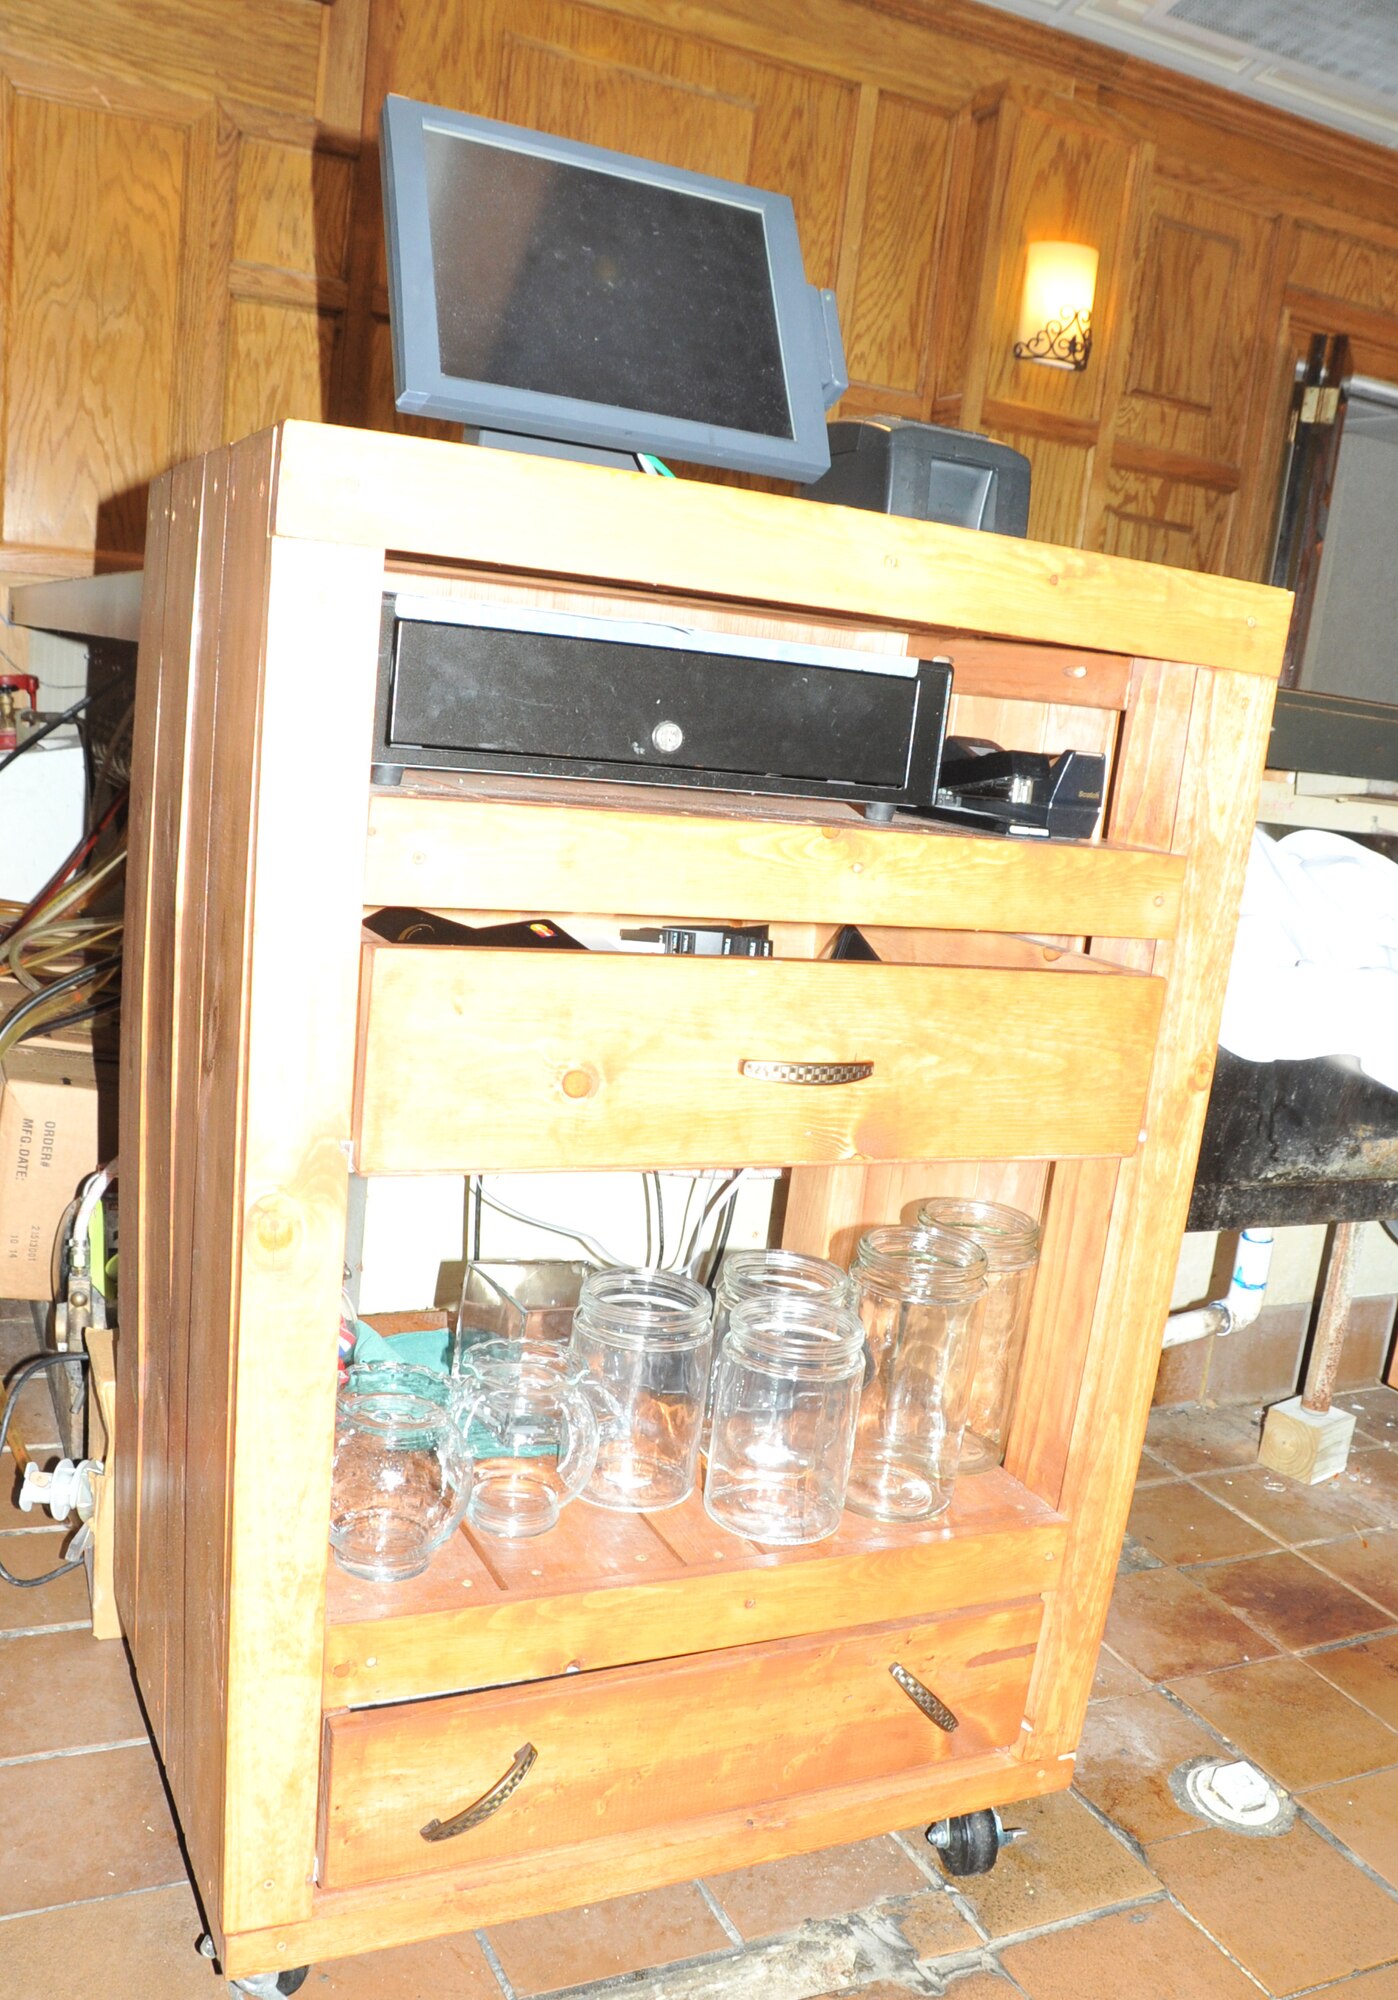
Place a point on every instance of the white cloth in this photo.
(1315, 965)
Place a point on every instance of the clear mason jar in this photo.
(1010, 1240)
(785, 1404)
(645, 1338)
(754, 1274)
(919, 1293)
(400, 1479)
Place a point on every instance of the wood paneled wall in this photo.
(191, 241)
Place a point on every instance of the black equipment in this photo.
(1019, 791)
(928, 474)
(467, 686)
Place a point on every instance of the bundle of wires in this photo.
(64, 945)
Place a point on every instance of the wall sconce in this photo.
(1055, 322)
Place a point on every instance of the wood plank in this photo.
(1142, 807)
(150, 1060)
(673, 854)
(1223, 765)
(230, 613)
(629, 1749)
(561, 519)
(102, 1441)
(134, 1129)
(477, 1060)
(454, 1628)
(436, 1905)
(301, 977)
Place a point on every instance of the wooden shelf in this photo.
(736, 857)
(604, 1589)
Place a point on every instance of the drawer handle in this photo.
(488, 1802)
(923, 1697)
(806, 1072)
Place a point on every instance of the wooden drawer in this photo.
(631, 1748)
(492, 1061)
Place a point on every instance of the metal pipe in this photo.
(1242, 1303)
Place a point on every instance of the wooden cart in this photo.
(1042, 1030)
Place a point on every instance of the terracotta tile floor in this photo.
(1251, 1612)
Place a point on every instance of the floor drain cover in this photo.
(1227, 1791)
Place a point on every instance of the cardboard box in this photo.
(57, 1124)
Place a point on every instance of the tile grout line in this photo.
(488, 1954)
(1216, 1942)
(90, 1902)
(721, 1916)
(960, 1903)
(42, 1631)
(1159, 1894)
(78, 1750)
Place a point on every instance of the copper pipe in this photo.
(1334, 1313)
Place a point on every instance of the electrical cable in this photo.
(659, 1220)
(56, 722)
(589, 1243)
(37, 1002)
(728, 1190)
(12, 1389)
(72, 1020)
(716, 1253)
(650, 1226)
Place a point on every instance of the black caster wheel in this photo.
(970, 1843)
(260, 1985)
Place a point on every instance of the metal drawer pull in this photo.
(806, 1072)
(935, 1710)
(488, 1802)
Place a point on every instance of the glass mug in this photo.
(1010, 1240)
(400, 1479)
(644, 1337)
(786, 1400)
(919, 1292)
(530, 1423)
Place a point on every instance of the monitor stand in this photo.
(543, 447)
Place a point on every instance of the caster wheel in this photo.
(268, 1985)
(970, 1843)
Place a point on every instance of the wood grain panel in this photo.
(1354, 268)
(888, 322)
(1197, 345)
(547, 516)
(1160, 520)
(264, 52)
(632, 1748)
(522, 1061)
(593, 99)
(765, 866)
(1058, 484)
(281, 362)
(581, 1606)
(91, 321)
(293, 208)
(1064, 182)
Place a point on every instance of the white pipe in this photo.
(1242, 1303)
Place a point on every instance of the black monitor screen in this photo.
(571, 281)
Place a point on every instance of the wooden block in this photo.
(1306, 1444)
(106, 1624)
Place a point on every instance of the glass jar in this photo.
(400, 1480)
(785, 1404)
(1010, 1240)
(752, 1274)
(919, 1292)
(645, 1338)
(530, 1423)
